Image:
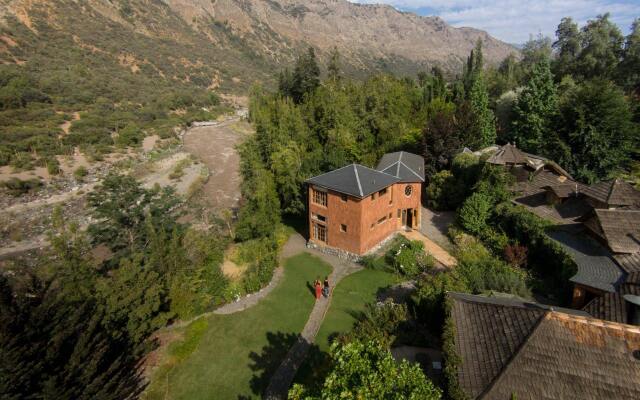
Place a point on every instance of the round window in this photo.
(408, 190)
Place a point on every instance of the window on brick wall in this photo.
(318, 217)
(320, 197)
(343, 228)
(343, 197)
(320, 232)
(382, 192)
(381, 220)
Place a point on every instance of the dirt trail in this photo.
(215, 146)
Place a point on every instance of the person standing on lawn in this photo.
(325, 289)
(318, 287)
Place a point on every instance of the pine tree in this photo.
(333, 69)
(306, 76)
(534, 109)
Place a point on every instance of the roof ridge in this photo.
(613, 185)
(333, 170)
(355, 170)
(596, 322)
(410, 169)
(513, 356)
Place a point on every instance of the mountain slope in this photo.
(232, 43)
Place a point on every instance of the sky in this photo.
(513, 21)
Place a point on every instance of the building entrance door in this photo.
(407, 218)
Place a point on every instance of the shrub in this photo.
(367, 370)
(483, 272)
(53, 166)
(475, 212)
(17, 187)
(80, 173)
(430, 294)
(408, 257)
(516, 255)
(441, 192)
(545, 257)
(379, 321)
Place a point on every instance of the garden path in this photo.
(431, 247)
(283, 377)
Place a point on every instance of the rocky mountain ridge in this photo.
(232, 43)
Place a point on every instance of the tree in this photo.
(306, 76)
(260, 214)
(534, 50)
(368, 371)
(484, 120)
(534, 110)
(602, 49)
(474, 66)
(134, 299)
(333, 69)
(567, 47)
(475, 212)
(595, 121)
(121, 207)
(629, 68)
(440, 137)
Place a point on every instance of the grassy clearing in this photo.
(234, 355)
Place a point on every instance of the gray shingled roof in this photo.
(355, 180)
(596, 267)
(614, 193)
(534, 351)
(406, 166)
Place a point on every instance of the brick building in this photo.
(354, 208)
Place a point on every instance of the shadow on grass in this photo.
(267, 362)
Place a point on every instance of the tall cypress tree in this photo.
(484, 120)
(535, 108)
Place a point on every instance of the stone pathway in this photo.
(435, 225)
(283, 377)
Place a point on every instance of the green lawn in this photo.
(349, 298)
(233, 356)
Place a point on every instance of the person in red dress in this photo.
(318, 287)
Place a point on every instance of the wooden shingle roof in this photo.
(508, 154)
(532, 351)
(621, 229)
(614, 193)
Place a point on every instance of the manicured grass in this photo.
(237, 354)
(349, 298)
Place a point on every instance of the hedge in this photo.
(546, 258)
